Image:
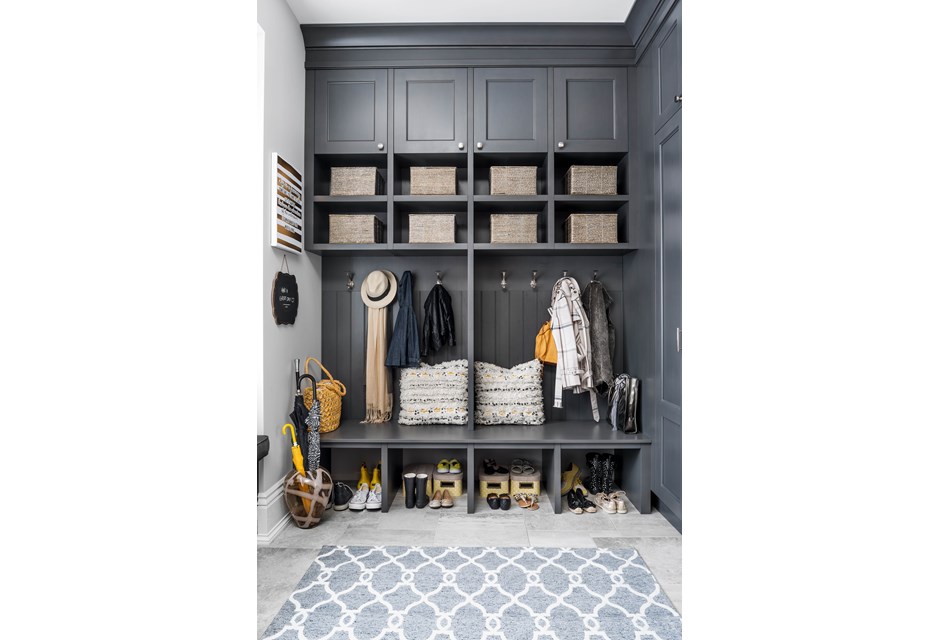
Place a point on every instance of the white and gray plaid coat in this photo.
(570, 326)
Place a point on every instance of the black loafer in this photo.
(493, 500)
(505, 502)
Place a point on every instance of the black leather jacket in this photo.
(438, 321)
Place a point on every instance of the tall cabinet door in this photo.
(351, 111)
(667, 466)
(510, 110)
(430, 110)
(667, 49)
(590, 109)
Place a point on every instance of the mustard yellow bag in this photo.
(545, 349)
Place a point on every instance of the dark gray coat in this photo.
(597, 303)
(403, 349)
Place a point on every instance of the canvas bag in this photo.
(545, 350)
(622, 401)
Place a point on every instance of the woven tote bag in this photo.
(330, 394)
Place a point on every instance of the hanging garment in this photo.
(438, 321)
(404, 348)
(378, 396)
(597, 303)
(570, 326)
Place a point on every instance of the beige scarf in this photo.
(378, 396)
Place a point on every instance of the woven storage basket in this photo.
(584, 180)
(330, 396)
(519, 228)
(356, 181)
(355, 228)
(433, 181)
(452, 482)
(591, 228)
(525, 483)
(497, 483)
(513, 181)
(431, 227)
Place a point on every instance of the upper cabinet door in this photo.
(510, 110)
(667, 49)
(351, 111)
(431, 111)
(590, 109)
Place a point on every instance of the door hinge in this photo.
(678, 340)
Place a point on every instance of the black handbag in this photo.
(623, 398)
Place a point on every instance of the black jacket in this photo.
(403, 349)
(438, 321)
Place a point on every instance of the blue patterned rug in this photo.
(477, 593)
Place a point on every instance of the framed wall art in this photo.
(287, 206)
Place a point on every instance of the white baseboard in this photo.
(272, 512)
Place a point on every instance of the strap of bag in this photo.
(338, 386)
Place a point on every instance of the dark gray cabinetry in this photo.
(590, 109)
(667, 466)
(351, 111)
(667, 52)
(510, 110)
(431, 111)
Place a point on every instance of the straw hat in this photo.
(379, 289)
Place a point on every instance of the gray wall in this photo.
(284, 102)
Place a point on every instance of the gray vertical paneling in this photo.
(517, 347)
(355, 386)
(502, 329)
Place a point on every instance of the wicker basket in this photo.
(356, 181)
(591, 228)
(493, 483)
(433, 181)
(355, 228)
(525, 483)
(584, 180)
(513, 181)
(431, 227)
(452, 482)
(521, 228)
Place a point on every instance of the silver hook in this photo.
(438, 274)
(564, 274)
(350, 285)
(533, 283)
(594, 279)
(502, 282)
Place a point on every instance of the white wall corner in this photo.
(272, 512)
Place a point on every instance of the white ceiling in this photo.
(410, 11)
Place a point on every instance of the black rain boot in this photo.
(409, 491)
(594, 468)
(421, 489)
(608, 472)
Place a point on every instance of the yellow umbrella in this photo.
(298, 458)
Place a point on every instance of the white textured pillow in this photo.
(434, 394)
(508, 396)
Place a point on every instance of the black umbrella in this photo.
(299, 414)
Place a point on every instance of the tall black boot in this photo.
(608, 472)
(593, 481)
(409, 491)
(421, 489)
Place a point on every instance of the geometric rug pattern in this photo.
(477, 593)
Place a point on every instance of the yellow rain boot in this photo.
(363, 476)
(376, 476)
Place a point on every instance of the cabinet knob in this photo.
(678, 98)
(381, 146)
(460, 145)
(561, 145)
(479, 145)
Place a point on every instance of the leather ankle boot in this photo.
(594, 467)
(409, 491)
(421, 490)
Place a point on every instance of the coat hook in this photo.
(349, 281)
(438, 274)
(564, 274)
(533, 283)
(502, 282)
(594, 279)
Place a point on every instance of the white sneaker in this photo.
(374, 501)
(358, 502)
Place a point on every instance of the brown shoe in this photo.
(446, 501)
(435, 502)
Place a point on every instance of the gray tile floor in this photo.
(283, 562)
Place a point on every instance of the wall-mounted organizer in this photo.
(475, 119)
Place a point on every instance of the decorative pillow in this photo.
(434, 394)
(508, 396)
